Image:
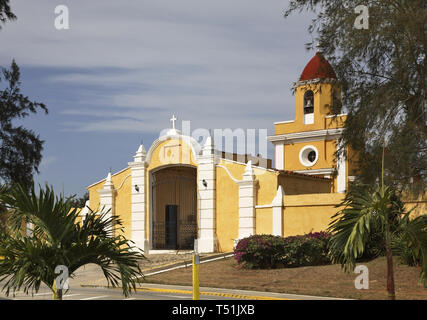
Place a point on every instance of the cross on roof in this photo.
(173, 120)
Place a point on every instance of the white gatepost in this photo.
(247, 202)
(277, 206)
(106, 197)
(206, 187)
(138, 169)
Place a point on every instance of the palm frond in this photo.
(351, 227)
(413, 236)
(60, 239)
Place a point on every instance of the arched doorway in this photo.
(174, 208)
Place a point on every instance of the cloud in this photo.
(128, 66)
(47, 161)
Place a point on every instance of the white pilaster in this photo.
(247, 202)
(138, 169)
(106, 197)
(85, 210)
(279, 161)
(342, 171)
(206, 186)
(277, 205)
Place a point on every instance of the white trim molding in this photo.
(329, 134)
(114, 174)
(286, 121)
(315, 81)
(228, 172)
(325, 171)
(174, 134)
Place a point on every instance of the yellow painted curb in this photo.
(209, 293)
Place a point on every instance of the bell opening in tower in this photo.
(308, 107)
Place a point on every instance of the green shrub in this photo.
(268, 251)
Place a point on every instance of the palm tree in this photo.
(58, 238)
(376, 212)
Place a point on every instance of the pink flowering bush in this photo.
(268, 251)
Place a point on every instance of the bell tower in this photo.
(317, 92)
(308, 143)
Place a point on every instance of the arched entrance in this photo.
(174, 208)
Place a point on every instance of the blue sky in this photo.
(124, 67)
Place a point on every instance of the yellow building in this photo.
(310, 143)
(180, 195)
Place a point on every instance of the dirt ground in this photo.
(327, 281)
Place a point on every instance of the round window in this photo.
(308, 156)
(311, 156)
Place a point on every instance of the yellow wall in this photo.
(312, 212)
(94, 198)
(122, 205)
(227, 202)
(309, 213)
(299, 184)
(267, 185)
(326, 151)
(227, 206)
(418, 207)
(123, 200)
(172, 152)
(264, 221)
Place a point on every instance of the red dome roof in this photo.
(318, 68)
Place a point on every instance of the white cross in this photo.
(173, 120)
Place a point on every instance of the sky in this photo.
(123, 68)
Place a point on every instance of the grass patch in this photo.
(327, 281)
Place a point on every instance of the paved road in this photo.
(89, 284)
(81, 293)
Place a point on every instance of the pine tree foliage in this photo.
(382, 70)
(5, 12)
(20, 148)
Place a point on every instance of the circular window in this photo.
(308, 156)
(311, 156)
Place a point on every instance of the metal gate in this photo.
(174, 209)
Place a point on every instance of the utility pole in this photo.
(196, 264)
